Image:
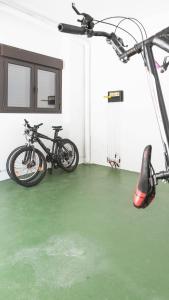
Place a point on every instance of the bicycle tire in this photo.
(64, 156)
(40, 169)
(9, 159)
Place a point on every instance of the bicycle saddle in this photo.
(57, 128)
(145, 190)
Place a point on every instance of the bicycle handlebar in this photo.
(35, 127)
(67, 28)
(116, 43)
(111, 37)
(160, 39)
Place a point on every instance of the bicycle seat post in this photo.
(56, 129)
(55, 134)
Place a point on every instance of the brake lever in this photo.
(75, 9)
(87, 20)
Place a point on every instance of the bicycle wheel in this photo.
(28, 166)
(9, 160)
(68, 155)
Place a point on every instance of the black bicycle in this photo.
(27, 165)
(148, 179)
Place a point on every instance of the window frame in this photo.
(32, 98)
(35, 61)
(57, 88)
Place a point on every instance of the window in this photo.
(19, 86)
(30, 82)
(46, 89)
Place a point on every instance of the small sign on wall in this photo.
(115, 96)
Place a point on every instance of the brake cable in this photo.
(134, 20)
(122, 17)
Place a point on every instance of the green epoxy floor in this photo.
(78, 237)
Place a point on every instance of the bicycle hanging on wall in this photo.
(148, 179)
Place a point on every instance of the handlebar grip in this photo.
(39, 125)
(67, 28)
(36, 127)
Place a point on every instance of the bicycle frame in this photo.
(55, 141)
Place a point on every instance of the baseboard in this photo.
(3, 175)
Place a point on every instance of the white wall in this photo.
(25, 32)
(127, 127)
(120, 127)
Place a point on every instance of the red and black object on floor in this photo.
(145, 190)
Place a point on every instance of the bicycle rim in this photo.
(67, 155)
(27, 165)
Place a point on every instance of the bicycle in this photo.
(27, 165)
(148, 179)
